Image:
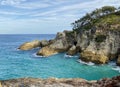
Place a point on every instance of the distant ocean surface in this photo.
(18, 64)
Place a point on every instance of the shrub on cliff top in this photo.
(89, 20)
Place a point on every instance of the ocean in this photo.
(15, 63)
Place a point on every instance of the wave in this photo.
(17, 49)
(86, 63)
(69, 56)
(114, 66)
(117, 68)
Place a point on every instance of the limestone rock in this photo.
(47, 51)
(30, 45)
(72, 50)
(61, 43)
(88, 56)
(118, 60)
(44, 43)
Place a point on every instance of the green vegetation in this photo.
(107, 16)
(100, 38)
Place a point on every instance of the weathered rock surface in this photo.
(118, 60)
(108, 48)
(107, 82)
(61, 43)
(30, 45)
(47, 51)
(72, 51)
(54, 82)
(89, 56)
(44, 43)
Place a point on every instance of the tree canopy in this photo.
(88, 20)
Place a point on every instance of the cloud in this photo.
(50, 13)
(11, 2)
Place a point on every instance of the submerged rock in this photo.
(30, 45)
(92, 57)
(72, 51)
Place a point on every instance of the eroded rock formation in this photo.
(30, 45)
(54, 82)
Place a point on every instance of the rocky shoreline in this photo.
(95, 36)
(84, 44)
(55, 82)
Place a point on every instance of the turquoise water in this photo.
(17, 64)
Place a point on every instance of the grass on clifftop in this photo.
(112, 21)
(107, 17)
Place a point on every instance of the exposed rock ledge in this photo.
(54, 82)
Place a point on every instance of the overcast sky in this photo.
(44, 16)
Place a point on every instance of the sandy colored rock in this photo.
(72, 51)
(30, 45)
(47, 51)
(88, 56)
(44, 43)
(0, 84)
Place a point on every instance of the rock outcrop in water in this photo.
(54, 82)
(61, 43)
(96, 36)
(47, 51)
(30, 45)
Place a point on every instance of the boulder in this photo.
(89, 56)
(47, 51)
(30, 45)
(72, 51)
(118, 61)
(44, 43)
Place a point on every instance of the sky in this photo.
(45, 16)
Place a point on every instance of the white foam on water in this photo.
(117, 68)
(112, 63)
(35, 55)
(114, 66)
(86, 63)
(69, 56)
(17, 49)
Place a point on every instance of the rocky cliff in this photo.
(96, 36)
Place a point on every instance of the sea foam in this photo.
(114, 66)
(69, 56)
(117, 68)
(86, 63)
(35, 55)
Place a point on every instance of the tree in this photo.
(108, 9)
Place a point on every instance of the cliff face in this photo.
(96, 37)
(103, 46)
(62, 43)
